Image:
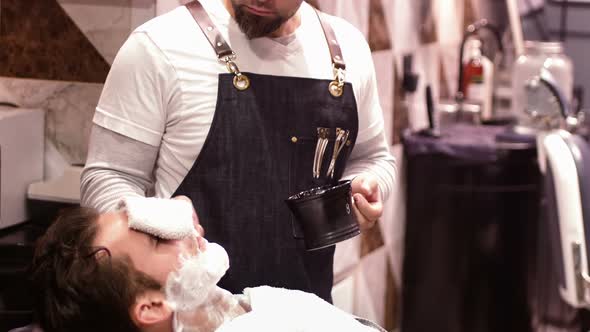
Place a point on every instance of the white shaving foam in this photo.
(189, 286)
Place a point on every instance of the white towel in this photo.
(279, 309)
(169, 219)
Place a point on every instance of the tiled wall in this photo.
(55, 55)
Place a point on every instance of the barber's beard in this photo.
(254, 26)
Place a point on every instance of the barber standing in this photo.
(224, 101)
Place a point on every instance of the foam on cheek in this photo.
(189, 286)
(169, 219)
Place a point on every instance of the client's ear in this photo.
(150, 311)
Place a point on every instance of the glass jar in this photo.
(548, 55)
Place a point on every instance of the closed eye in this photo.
(155, 240)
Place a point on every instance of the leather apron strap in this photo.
(227, 55)
(333, 45)
(221, 47)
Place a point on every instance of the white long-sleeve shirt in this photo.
(159, 99)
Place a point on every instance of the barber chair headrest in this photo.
(565, 161)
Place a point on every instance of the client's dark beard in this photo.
(254, 26)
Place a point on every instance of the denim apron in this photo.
(260, 150)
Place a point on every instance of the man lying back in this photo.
(128, 271)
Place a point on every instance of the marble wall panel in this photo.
(141, 12)
(427, 27)
(106, 25)
(163, 6)
(394, 213)
(355, 12)
(378, 36)
(449, 18)
(427, 67)
(449, 70)
(69, 106)
(346, 257)
(372, 284)
(39, 40)
(399, 118)
(390, 23)
(384, 71)
(314, 3)
(53, 45)
(406, 32)
(343, 294)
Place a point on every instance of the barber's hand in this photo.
(198, 227)
(368, 205)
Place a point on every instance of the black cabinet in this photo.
(471, 224)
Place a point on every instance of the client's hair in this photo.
(78, 287)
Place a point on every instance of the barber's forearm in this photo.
(117, 166)
(102, 189)
(374, 157)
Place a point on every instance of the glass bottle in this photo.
(537, 55)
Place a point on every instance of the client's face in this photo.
(149, 254)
